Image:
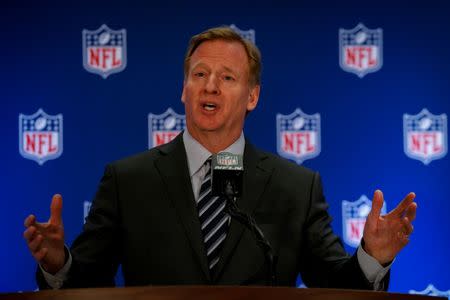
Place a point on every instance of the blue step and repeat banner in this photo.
(358, 91)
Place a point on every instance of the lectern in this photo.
(211, 293)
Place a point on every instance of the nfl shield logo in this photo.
(298, 135)
(164, 128)
(425, 136)
(40, 136)
(104, 51)
(431, 291)
(245, 34)
(361, 50)
(354, 216)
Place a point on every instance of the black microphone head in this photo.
(227, 171)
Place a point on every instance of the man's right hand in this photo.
(46, 240)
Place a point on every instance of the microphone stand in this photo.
(250, 223)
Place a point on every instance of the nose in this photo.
(212, 86)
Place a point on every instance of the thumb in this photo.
(377, 205)
(56, 210)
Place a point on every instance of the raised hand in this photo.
(385, 236)
(46, 240)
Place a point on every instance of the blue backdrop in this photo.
(361, 119)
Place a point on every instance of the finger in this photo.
(40, 254)
(56, 210)
(31, 219)
(30, 222)
(402, 206)
(404, 238)
(407, 226)
(29, 233)
(411, 211)
(377, 204)
(36, 243)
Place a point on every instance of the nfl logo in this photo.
(298, 136)
(40, 136)
(354, 215)
(431, 291)
(245, 34)
(425, 136)
(361, 50)
(104, 51)
(164, 128)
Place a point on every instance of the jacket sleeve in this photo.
(96, 252)
(326, 264)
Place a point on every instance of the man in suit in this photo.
(154, 214)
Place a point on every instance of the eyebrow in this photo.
(227, 69)
(230, 70)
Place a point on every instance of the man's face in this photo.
(216, 91)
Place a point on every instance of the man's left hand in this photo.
(385, 236)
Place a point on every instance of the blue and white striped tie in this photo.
(213, 219)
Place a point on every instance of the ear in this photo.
(253, 97)
(183, 96)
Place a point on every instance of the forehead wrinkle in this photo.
(203, 64)
(222, 68)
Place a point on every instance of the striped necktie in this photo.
(213, 219)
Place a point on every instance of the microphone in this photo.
(227, 171)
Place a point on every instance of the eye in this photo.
(199, 74)
(228, 78)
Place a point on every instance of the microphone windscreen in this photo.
(226, 168)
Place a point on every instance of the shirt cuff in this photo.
(372, 269)
(56, 281)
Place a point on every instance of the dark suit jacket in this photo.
(144, 217)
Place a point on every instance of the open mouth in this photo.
(209, 106)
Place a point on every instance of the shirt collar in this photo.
(197, 154)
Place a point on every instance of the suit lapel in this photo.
(175, 174)
(255, 181)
